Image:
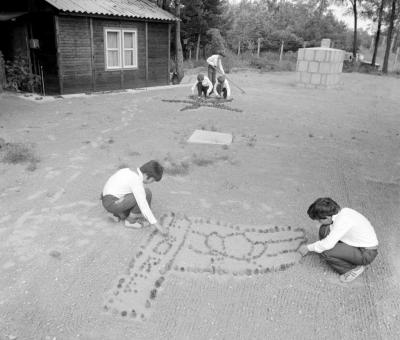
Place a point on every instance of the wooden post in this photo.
(280, 55)
(92, 67)
(258, 47)
(169, 54)
(146, 34)
(397, 55)
(198, 47)
(59, 65)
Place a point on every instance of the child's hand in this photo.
(303, 250)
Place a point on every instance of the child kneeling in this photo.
(125, 196)
(203, 85)
(347, 242)
(222, 88)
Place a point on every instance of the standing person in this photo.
(215, 64)
(125, 196)
(203, 85)
(347, 239)
(222, 88)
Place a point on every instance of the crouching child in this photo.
(348, 241)
(203, 86)
(125, 196)
(222, 88)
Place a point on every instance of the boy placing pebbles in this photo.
(347, 240)
(125, 196)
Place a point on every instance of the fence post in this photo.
(280, 55)
(2, 72)
(397, 55)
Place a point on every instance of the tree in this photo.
(178, 44)
(172, 5)
(389, 37)
(378, 31)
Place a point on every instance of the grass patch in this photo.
(175, 167)
(19, 153)
(202, 161)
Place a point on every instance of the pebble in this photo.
(55, 253)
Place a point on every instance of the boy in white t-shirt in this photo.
(222, 88)
(347, 242)
(125, 196)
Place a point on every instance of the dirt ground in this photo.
(61, 253)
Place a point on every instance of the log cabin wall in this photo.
(81, 54)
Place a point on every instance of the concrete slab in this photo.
(210, 137)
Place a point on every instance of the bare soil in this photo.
(61, 253)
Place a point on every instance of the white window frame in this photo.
(121, 49)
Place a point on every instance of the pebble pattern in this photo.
(197, 245)
(196, 103)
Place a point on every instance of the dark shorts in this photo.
(343, 257)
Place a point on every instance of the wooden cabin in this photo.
(86, 46)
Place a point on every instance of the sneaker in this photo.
(352, 274)
(132, 218)
(134, 225)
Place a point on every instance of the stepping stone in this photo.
(210, 137)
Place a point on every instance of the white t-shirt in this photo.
(350, 227)
(206, 82)
(125, 181)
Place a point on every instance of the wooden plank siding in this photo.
(75, 54)
(158, 54)
(82, 55)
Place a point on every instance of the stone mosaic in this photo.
(196, 246)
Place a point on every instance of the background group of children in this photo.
(213, 84)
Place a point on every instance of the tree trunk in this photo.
(378, 32)
(238, 52)
(355, 30)
(389, 37)
(178, 44)
(258, 47)
(198, 47)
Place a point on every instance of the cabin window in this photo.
(121, 48)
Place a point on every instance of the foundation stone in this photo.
(319, 67)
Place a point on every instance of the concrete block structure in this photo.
(319, 67)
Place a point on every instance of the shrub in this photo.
(19, 77)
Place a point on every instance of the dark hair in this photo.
(323, 207)
(200, 77)
(152, 169)
(221, 79)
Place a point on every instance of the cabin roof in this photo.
(141, 9)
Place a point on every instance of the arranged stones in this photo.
(199, 246)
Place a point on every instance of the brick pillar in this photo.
(319, 67)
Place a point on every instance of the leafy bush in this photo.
(270, 62)
(19, 77)
(217, 44)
